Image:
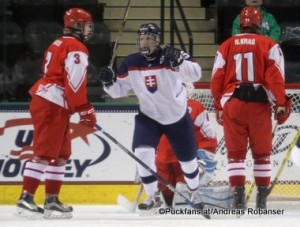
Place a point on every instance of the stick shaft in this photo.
(284, 161)
(138, 196)
(114, 51)
(162, 180)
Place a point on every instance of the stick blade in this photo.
(126, 204)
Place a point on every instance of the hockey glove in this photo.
(282, 113)
(173, 56)
(107, 76)
(219, 117)
(87, 115)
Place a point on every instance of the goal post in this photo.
(288, 184)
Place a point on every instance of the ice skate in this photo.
(54, 209)
(261, 197)
(239, 198)
(151, 202)
(27, 208)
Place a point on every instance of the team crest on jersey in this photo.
(151, 83)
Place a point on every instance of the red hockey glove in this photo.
(87, 115)
(219, 117)
(282, 113)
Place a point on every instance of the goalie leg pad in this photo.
(212, 197)
(206, 159)
(220, 196)
(207, 163)
(205, 178)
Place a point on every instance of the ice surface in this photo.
(115, 215)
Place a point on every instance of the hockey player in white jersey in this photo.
(156, 75)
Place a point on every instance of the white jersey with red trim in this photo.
(157, 86)
(65, 74)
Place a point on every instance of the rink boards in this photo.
(98, 169)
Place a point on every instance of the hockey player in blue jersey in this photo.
(156, 75)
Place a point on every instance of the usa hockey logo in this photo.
(18, 137)
(151, 83)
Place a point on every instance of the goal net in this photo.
(288, 184)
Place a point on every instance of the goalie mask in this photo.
(149, 40)
(79, 22)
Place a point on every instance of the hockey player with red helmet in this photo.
(248, 73)
(55, 97)
(269, 26)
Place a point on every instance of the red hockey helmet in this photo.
(81, 21)
(250, 16)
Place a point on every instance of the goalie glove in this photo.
(282, 112)
(87, 115)
(107, 76)
(173, 56)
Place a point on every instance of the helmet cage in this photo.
(148, 39)
(148, 43)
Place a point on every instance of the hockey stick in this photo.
(284, 161)
(126, 204)
(253, 181)
(162, 180)
(114, 52)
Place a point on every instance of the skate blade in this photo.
(24, 213)
(53, 214)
